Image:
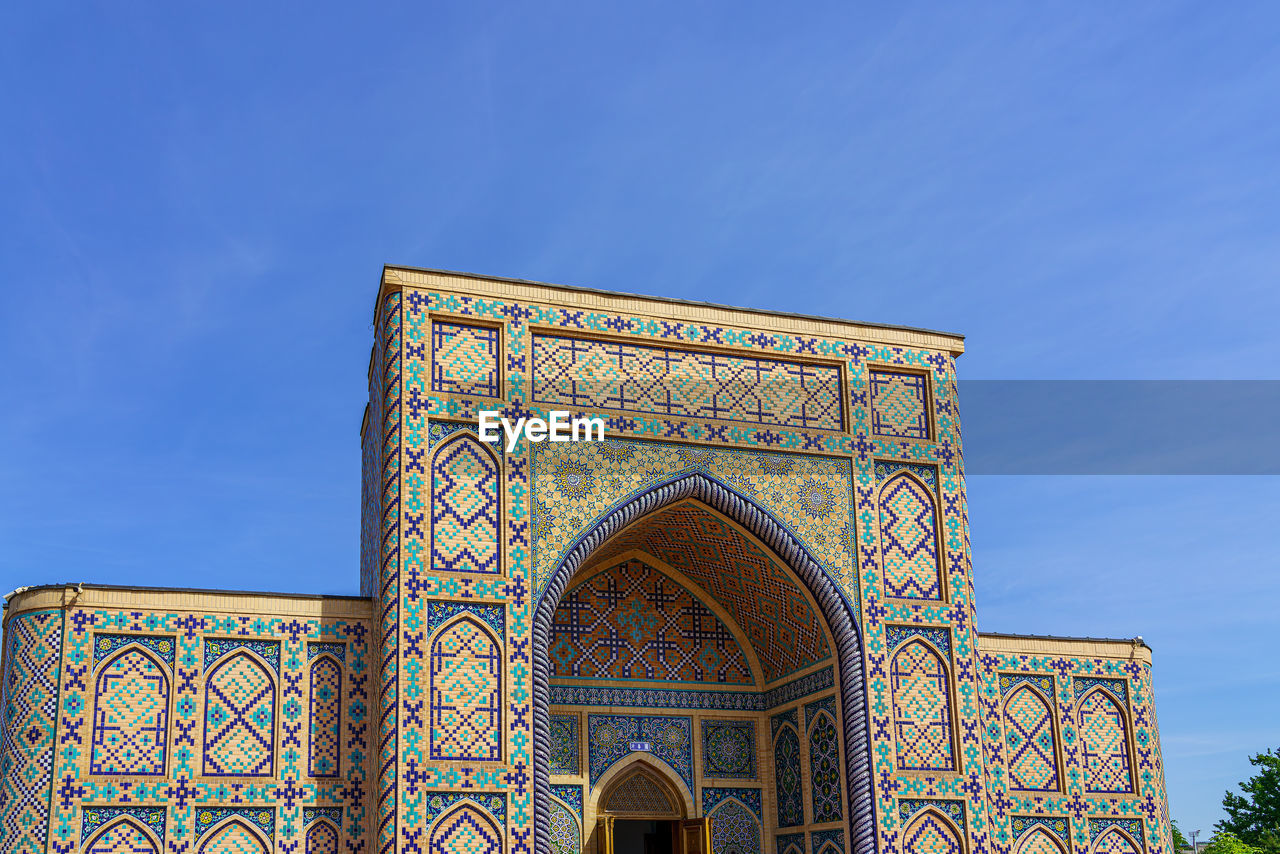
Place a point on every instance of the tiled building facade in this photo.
(749, 610)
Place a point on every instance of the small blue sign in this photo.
(642, 746)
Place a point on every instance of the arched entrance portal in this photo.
(642, 809)
(698, 488)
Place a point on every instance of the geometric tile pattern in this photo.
(786, 767)
(1104, 731)
(639, 794)
(729, 749)
(234, 837)
(123, 837)
(609, 739)
(465, 830)
(322, 838)
(909, 539)
(734, 830)
(1056, 826)
(756, 592)
(325, 718)
(34, 642)
(1038, 841)
(466, 693)
(105, 644)
(564, 744)
(789, 843)
(899, 404)
(565, 835)
(151, 818)
(922, 709)
(826, 842)
(824, 761)
(687, 698)
(604, 375)
(633, 622)
(571, 795)
(1113, 840)
(930, 833)
(239, 719)
(130, 716)
(714, 795)
(464, 507)
(1028, 729)
(464, 359)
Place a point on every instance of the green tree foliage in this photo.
(1180, 842)
(1254, 817)
(1226, 842)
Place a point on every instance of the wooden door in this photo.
(695, 836)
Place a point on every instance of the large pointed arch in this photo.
(834, 606)
(130, 714)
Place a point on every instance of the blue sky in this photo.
(196, 200)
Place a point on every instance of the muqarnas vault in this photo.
(742, 623)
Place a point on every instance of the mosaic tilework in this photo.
(261, 818)
(729, 749)
(564, 744)
(620, 470)
(1115, 687)
(33, 646)
(104, 644)
(1056, 826)
(239, 718)
(724, 701)
(603, 375)
(826, 842)
(95, 817)
(389, 343)
(322, 838)
(337, 650)
(1104, 732)
(130, 714)
(1038, 841)
(234, 837)
(639, 794)
(633, 622)
(123, 837)
(1029, 739)
(466, 693)
(1151, 806)
(749, 584)
(824, 761)
(609, 739)
(464, 359)
(439, 613)
(930, 833)
(734, 830)
(921, 709)
(313, 814)
(465, 830)
(789, 843)
(899, 404)
(571, 795)
(465, 509)
(216, 648)
(325, 718)
(436, 804)
(909, 539)
(182, 797)
(1114, 841)
(566, 838)
(786, 769)
(712, 796)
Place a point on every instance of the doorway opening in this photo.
(644, 836)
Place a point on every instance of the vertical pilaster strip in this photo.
(389, 341)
